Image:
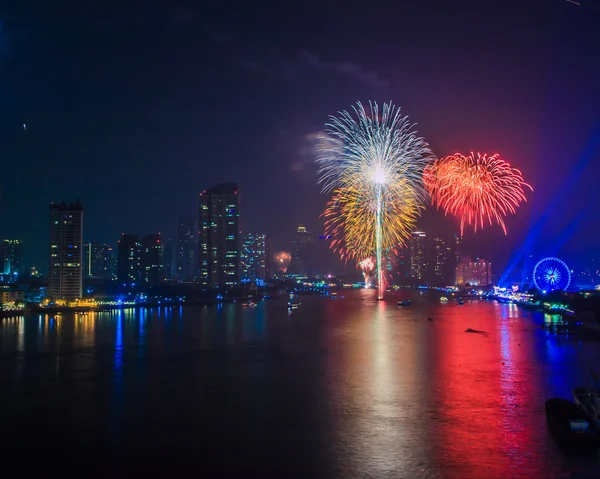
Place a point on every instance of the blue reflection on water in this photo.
(119, 345)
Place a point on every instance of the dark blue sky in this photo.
(135, 107)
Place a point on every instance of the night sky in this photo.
(135, 107)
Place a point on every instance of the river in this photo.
(344, 388)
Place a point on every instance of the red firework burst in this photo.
(475, 188)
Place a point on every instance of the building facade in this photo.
(254, 259)
(419, 259)
(98, 261)
(187, 251)
(66, 251)
(478, 273)
(219, 258)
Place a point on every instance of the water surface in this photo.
(345, 388)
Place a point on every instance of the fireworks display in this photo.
(283, 260)
(367, 266)
(475, 188)
(373, 164)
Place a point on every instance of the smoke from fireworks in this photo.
(373, 163)
(475, 188)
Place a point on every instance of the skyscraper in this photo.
(219, 236)
(254, 259)
(457, 249)
(444, 262)
(419, 261)
(66, 250)
(153, 259)
(98, 261)
(187, 250)
(129, 262)
(10, 257)
(303, 256)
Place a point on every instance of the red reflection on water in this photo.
(484, 389)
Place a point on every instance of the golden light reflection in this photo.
(373, 384)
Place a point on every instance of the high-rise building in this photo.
(153, 259)
(478, 273)
(168, 259)
(254, 259)
(129, 262)
(303, 255)
(457, 248)
(10, 257)
(187, 250)
(419, 260)
(444, 262)
(219, 236)
(66, 250)
(97, 261)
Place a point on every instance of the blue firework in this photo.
(551, 274)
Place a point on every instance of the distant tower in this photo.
(97, 261)
(219, 236)
(66, 250)
(444, 262)
(187, 250)
(303, 256)
(129, 262)
(419, 261)
(153, 259)
(10, 257)
(254, 259)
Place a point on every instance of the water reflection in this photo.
(342, 388)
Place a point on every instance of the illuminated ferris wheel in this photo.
(551, 274)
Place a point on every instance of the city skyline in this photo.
(157, 142)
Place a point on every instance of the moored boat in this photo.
(405, 303)
(588, 399)
(571, 426)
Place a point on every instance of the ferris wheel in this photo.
(551, 274)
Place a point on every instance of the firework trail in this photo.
(373, 163)
(475, 188)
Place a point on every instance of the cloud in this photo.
(349, 69)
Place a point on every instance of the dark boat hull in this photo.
(570, 426)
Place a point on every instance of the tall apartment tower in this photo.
(153, 259)
(254, 267)
(303, 256)
(129, 260)
(219, 237)
(419, 259)
(66, 251)
(187, 250)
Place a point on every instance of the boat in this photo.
(443, 299)
(571, 426)
(460, 302)
(405, 303)
(249, 304)
(588, 399)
